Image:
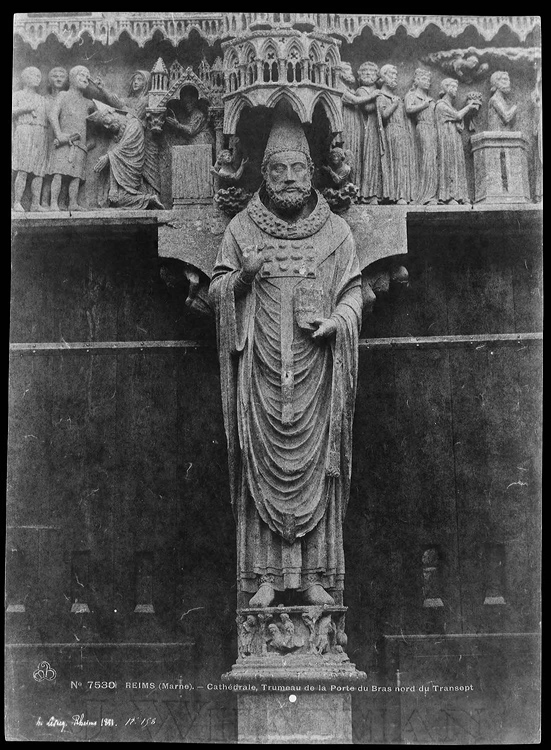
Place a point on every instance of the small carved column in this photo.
(217, 119)
(500, 167)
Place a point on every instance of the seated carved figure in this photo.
(125, 160)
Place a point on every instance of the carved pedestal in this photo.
(500, 167)
(293, 678)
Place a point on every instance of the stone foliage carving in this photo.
(472, 64)
(30, 138)
(106, 28)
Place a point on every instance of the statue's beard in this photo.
(289, 201)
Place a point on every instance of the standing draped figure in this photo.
(452, 176)
(286, 289)
(371, 183)
(352, 121)
(420, 108)
(398, 159)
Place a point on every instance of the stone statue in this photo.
(286, 289)
(224, 168)
(30, 139)
(136, 102)
(352, 119)
(67, 116)
(58, 81)
(420, 107)
(371, 180)
(338, 169)
(452, 177)
(501, 114)
(193, 121)
(398, 158)
(125, 159)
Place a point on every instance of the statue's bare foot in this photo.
(76, 207)
(263, 597)
(19, 208)
(373, 202)
(154, 202)
(38, 207)
(55, 207)
(316, 594)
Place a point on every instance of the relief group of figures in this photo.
(50, 139)
(396, 150)
(410, 150)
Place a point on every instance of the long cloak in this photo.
(126, 161)
(289, 445)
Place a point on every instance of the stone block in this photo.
(500, 167)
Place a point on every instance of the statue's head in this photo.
(368, 73)
(31, 77)
(346, 73)
(422, 78)
(58, 78)
(500, 81)
(287, 167)
(389, 75)
(139, 83)
(225, 156)
(111, 121)
(79, 77)
(336, 156)
(449, 86)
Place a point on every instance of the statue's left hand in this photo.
(326, 327)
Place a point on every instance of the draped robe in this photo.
(126, 163)
(288, 400)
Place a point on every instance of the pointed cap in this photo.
(287, 134)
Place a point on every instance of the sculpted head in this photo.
(336, 156)
(111, 121)
(225, 157)
(389, 75)
(139, 83)
(449, 86)
(346, 73)
(368, 73)
(31, 77)
(79, 77)
(288, 179)
(422, 78)
(500, 81)
(57, 78)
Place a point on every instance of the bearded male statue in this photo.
(286, 289)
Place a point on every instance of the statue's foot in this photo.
(37, 207)
(316, 594)
(263, 597)
(19, 208)
(402, 202)
(453, 202)
(76, 207)
(373, 202)
(154, 202)
(55, 207)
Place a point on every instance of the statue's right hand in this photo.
(252, 261)
(63, 138)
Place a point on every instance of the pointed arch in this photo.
(232, 112)
(332, 110)
(295, 102)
